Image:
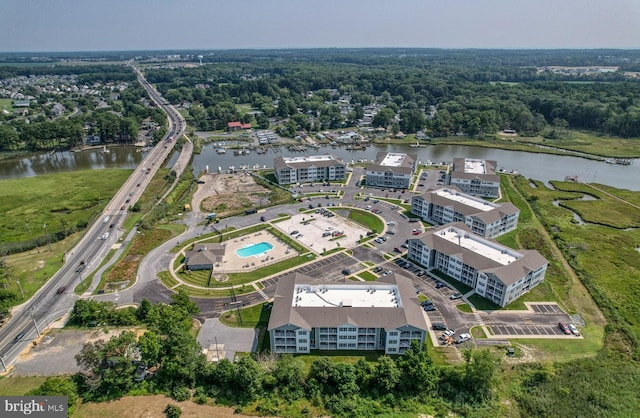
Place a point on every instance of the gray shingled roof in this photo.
(508, 274)
(204, 254)
(283, 313)
(490, 167)
(490, 216)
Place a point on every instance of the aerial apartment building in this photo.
(391, 170)
(448, 204)
(291, 170)
(309, 314)
(494, 271)
(475, 177)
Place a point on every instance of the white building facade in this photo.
(494, 271)
(366, 316)
(448, 204)
(391, 170)
(291, 170)
(475, 177)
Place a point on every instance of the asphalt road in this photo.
(56, 297)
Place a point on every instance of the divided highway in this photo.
(56, 297)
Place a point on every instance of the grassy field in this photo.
(63, 202)
(590, 143)
(19, 385)
(6, 104)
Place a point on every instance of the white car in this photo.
(462, 338)
(449, 332)
(391, 223)
(574, 330)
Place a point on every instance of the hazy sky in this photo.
(86, 25)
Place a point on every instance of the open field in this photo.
(150, 406)
(590, 143)
(19, 385)
(605, 259)
(64, 202)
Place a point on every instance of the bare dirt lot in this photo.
(57, 356)
(150, 407)
(228, 193)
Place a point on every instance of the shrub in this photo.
(173, 411)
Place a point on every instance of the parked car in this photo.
(426, 302)
(439, 326)
(455, 296)
(61, 289)
(346, 272)
(574, 330)
(463, 338)
(429, 308)
(449, 332)
(440, 285)
(386, 273)
(377, 269)
(564, 328)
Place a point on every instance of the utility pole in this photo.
(47, 234)
(31, 235)
(20, 287)
(34, 322)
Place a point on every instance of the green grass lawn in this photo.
(19, 385)
(482, 304)
(213, 293)
(256, 316)
(167, 279)
(367, 275)
(366, 219)
(464, 307)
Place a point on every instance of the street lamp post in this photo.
(47, 234)
(20, 287)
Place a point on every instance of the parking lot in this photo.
(318, 232)
(550, 308)
(528, 331)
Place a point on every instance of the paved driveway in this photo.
(230, 340)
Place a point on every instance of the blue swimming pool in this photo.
(254, 249)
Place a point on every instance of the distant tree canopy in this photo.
(468, 96)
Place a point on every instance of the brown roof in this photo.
(283, 313)
(508, 274)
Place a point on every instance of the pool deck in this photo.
(231, 262)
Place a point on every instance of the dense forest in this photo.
(411, 93)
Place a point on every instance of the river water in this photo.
(543, 167)
(57, 162)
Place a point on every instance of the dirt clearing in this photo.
(150, 407)
(228, 193)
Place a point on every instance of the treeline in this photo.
(266, 384)
(86, 73)
(418, 95)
